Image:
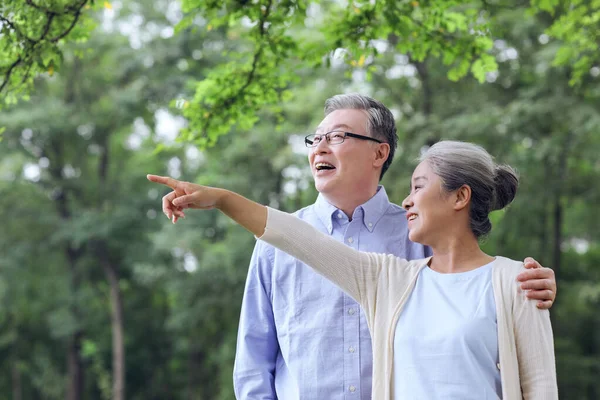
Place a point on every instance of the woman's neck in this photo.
(458, 254)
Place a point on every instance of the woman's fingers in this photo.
(537, 284)
(164, 180)
(167, 204)
(202, 198)
(169, 209)
(544, 305)
(184, 201)
(540, 294)
(184, 195)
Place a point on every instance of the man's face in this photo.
(346, 167)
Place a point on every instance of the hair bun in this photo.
(507, 182)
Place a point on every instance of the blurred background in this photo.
(97, 286)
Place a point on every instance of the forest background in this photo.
(103, 298)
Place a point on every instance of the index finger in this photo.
(164, 180)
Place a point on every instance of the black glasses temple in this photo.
(354, 135)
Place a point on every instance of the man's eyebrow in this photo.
(335, 127)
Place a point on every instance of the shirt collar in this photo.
(372, 210)
(375, 208)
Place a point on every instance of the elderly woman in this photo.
(453, 326)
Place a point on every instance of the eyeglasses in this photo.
(334, 137)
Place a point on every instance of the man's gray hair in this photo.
(380, 123)
(493, 186)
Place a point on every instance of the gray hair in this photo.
(380, 123)
(493, 186)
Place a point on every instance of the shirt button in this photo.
(351, 311)
(340, 215)
(498, 365)
(351, 349)
(350, 240)
(352, 388)
(370, 224)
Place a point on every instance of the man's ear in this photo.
(462, 197)
(381, 154)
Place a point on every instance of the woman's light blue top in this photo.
(446, 340)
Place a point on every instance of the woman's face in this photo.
(429, 208)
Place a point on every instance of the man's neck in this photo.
(348, 202)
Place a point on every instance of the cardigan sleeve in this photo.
(535, 349)
(353, 271)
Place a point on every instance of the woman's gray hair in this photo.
(380, 123)
(493, 186)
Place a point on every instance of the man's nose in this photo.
(322, 146)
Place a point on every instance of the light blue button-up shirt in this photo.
(300, 337)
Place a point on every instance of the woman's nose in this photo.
(407, 202)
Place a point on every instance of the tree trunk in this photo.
(544, 231)
(118, 346)
(112, 275)
(557, 236)
(427, 103)
(74, 360)
(17, 391)
(191, 369)
(75, 368)
(557, 212)
(196, 386)
(55, 152)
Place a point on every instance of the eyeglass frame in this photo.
(346, 134)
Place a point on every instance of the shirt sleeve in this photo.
(257, 344)
(353, 271)
(535, 349)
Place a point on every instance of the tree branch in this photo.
(37, 7)
(67, 10)
(77, 11)
(14, 28)
(47, 27)
(9, 73)
(262, 32)
(31, 44)
(512, 6)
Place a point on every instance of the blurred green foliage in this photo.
(83, 238)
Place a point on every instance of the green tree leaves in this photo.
(277, 44)
(31, 32)
(578, 27)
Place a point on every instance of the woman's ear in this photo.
(381, 154)
(462, 197)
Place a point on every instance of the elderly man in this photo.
(300, 337)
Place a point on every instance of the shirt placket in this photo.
(351, 347)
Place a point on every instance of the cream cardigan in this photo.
(382, 283)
